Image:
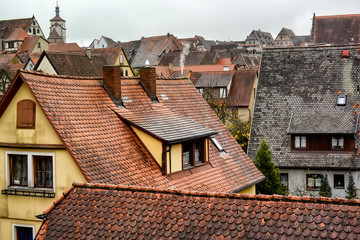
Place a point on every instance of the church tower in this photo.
(57, 28)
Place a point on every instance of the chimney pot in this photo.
(112, 81)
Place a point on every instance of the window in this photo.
(29, 30)
(201, 90)
(223, 93)
(337, 143)
(30, 170)
(39, 45)
(121, 59)
(193, 153)
(126, 73)
(11, 45)
(216, 92)
(313, 181)
(284, 178)
(339, 181)
(34, 31)
(341, 100)
(22, 232)
(26, 114)
(217, 144)
(38, 30)
(226, 68)
(300, 142)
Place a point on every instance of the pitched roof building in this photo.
(57, 28)
(116, 211)
(264, 39)
(306, 109)
(70, 63)
(287, 37)
(144, 131)
(336, 29)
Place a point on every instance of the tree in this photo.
(351, 188)
(325, 189)
(263, 161)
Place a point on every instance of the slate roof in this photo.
(8, 26)
(120, 212)
(297, 92)
(17, 35)
(214, 79)
(193, 58)
(110, 54)
(74, 64)
(151, 49)
(107, 150)
(336, 29)
(54, 35)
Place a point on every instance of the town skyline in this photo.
(131, 20)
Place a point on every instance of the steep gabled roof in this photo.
(152, 48)
(108, 211)
(110, 54)
(17, 35)
(29, 44)
(214, 79)
(297, 93)
(286, 32)
(8, 26)
(242, 87)
(107, 150)
(336, 29)
(264, 38)
(74, 64)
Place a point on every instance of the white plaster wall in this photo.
(297, 181)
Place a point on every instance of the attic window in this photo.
(341, 100)
(126, 99)
(217, 144)
(164, 97)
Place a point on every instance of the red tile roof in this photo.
(29, 44)
(121, 212)
(242, 87)
(64, 47)
(17, 35)
(108, 151)
(336, 29)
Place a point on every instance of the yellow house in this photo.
(56, 130)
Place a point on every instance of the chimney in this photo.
(112, 82)
(88, 52)
(148, 81)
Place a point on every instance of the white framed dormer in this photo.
(33, 171)
(20, 231)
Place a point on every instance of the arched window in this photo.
(26, 114)
(126, 73)
(34, 31)
(121, 72)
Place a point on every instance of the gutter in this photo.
(163, 159)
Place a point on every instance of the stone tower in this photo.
(57, 28)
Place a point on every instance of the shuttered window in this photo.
(26, 114)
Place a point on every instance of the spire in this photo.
(57, 9)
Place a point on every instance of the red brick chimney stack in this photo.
(112, 81)
(148, 81)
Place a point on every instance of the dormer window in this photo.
(193, 153)
(341, 100)
(300, 142)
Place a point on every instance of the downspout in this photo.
(163, 159)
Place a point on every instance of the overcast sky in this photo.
(126, 20)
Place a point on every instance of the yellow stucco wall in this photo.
(153, 145)
(46, 67)
(250, 190)
(21, 209)
(44, 46)
(125, 64)
(176, 158)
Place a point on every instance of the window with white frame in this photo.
(20, 232)
(337, 142)
(30, 170)
(300, 142)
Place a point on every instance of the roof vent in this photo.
(341, 100)
(126, 99)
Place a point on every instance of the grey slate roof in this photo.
(214, 79)
(296, 93)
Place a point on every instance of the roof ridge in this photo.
(57, 201)
(261, 197)
(33, 72)
(311, 47)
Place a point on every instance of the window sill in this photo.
(29, 192)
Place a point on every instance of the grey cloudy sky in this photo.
(126, 20)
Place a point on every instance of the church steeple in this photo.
(57, 10)
(57, 27)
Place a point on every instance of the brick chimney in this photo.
(112, 82)
(148, 81)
